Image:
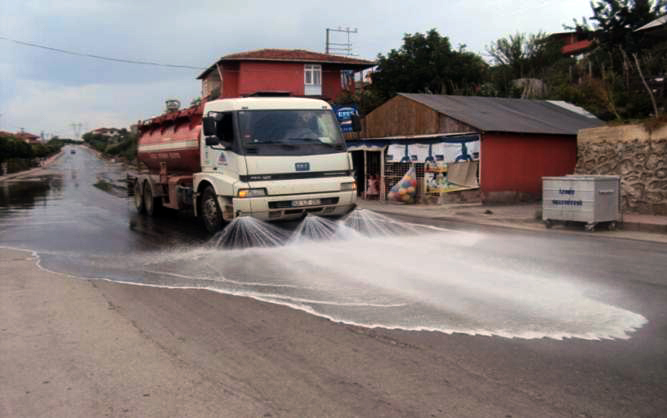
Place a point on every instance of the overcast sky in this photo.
(47, 91)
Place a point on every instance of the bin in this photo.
(578, 198)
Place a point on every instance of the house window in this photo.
(313, 75)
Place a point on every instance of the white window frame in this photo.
(311, 74)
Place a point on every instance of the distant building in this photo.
(656, 28)
(574, 43)
(28, 137)
(281, 71)
(108, 132)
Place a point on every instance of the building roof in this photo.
(26, 135)
(577, 47)
(496, 114)
(657, 27)
(292, 55)
(661, 21)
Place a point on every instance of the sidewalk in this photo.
(46, 163)
(523, 216)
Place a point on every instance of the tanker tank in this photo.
(171, 138)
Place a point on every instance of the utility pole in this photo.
(339, 48)
(76, 127)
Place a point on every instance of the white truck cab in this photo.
(272, 158)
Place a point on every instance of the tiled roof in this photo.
(293, 55)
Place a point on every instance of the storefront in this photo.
(443, 163)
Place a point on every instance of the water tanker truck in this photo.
(273, 158)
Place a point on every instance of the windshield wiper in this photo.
(311, 140)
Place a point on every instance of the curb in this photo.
(47, 163)
(527, 224)
(640, 227)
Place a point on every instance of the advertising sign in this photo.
(344, 116)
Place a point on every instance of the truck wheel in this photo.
(211, 214)
(138, 198)
(151, 204)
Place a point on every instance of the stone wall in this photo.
(634, 153)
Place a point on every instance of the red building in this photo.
(574, 43)
(28, 137)
(514, 141)
(294, 71)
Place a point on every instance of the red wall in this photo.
(330, 81)
(516, 163)
(270, 76)
(230, 80)
(248, 77)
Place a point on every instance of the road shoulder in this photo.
(65, 350)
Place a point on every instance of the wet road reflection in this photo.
(528, 286)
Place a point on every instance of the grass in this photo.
(104, 186)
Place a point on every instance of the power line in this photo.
(99, 57)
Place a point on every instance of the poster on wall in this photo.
(443, 152)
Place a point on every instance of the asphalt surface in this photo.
(591, 343)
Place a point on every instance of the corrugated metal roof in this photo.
(496, 114)
(661, 21)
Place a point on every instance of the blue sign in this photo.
(344, 116)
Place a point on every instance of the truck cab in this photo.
(273, 158)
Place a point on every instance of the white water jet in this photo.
(373, 224)
(314, 228)
(373, 271)
(246, 231)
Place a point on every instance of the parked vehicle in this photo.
(273, 158)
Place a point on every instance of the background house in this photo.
(515, 141)
(28, 137)
(294, 71)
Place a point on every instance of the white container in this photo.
(581, 198)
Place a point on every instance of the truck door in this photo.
(224, 159)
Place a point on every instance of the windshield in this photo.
(289, 127)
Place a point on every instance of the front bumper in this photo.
(274, 208)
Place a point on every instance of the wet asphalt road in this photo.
(77, 228)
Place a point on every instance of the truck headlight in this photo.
(252, 192)
(346, 187)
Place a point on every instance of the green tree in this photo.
(615, 21)
(426, 63)
(521, 56)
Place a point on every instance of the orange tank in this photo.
(172, 138)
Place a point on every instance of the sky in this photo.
(44, 91)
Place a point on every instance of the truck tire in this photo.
(211, 214)
(138, 198)
(151, 204)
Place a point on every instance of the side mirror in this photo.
(356, 123)
(209, 126)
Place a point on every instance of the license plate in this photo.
(307, 202)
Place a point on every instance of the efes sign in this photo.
(344, 116)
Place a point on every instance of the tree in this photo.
(522, 56)
(426, 63)
(622, 52)
(614, 23)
